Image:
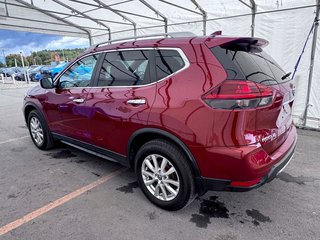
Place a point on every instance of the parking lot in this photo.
(68, 194)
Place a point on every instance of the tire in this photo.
(46, 141)
(169, 190)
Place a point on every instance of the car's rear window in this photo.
(258, 67)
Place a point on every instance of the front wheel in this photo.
(164, 175)
(39, 131)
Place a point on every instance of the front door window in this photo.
(79, 74)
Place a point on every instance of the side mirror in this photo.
(46, 83)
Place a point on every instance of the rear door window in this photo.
(125, 68)
(257, 67)
(167, 62)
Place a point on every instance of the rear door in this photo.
(124, 94)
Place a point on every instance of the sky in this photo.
(14, 42)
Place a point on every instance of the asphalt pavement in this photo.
(68, 194)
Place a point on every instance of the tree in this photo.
(38, 60)
(44, 57)
(11, 60)
(34, 60)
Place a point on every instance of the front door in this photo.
(68, 105)
(123, 98)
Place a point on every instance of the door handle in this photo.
(78, 100)
(136, 101)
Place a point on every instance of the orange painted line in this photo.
(37, 213)
(14, 139)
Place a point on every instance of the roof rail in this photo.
(165, 35)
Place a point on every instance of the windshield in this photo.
(60, 65)
(46, 67)
(36, 68)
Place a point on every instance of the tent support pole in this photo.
(313, 52)
(253, 17)
(90, 39)
(204, 16)
(85, 15)
(6, 8)
(119, 14)
(165, 20)
(53, 16)
(253, 7)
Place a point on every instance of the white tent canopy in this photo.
(285, 23)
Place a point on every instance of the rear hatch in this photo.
(245, 62)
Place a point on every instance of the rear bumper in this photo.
(205, 184)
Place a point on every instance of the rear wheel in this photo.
(164, 175)
(39, 131)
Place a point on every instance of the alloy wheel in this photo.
(160, 177)
(36, 131)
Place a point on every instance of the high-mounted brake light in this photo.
(216, 33)
(238, 94)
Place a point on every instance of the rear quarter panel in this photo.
(178, 107)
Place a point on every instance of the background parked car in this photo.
(7, 72)
(33, 72)
(54, 71)
(44, 69)
(51, 71)
(20, 73)
(33, 67)
(2, 70)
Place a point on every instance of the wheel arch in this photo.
(141, 136)
(29, 107)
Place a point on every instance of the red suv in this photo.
(189, 114)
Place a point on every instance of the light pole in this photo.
(64, 59)
(4, 58)
(24, 71)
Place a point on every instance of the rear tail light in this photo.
(238, 94)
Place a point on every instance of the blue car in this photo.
(54, 71)
(44, 69)
(81, 71)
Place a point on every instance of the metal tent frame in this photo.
(99, 4)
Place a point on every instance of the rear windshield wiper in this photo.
(286, 75)
(234, 55)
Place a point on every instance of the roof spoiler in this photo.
(216, 33)
(246, 44)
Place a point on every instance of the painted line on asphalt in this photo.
(37, 213)
(14, 139)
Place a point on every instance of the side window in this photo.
(167, 62)
(125, 68)
(80, 73)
